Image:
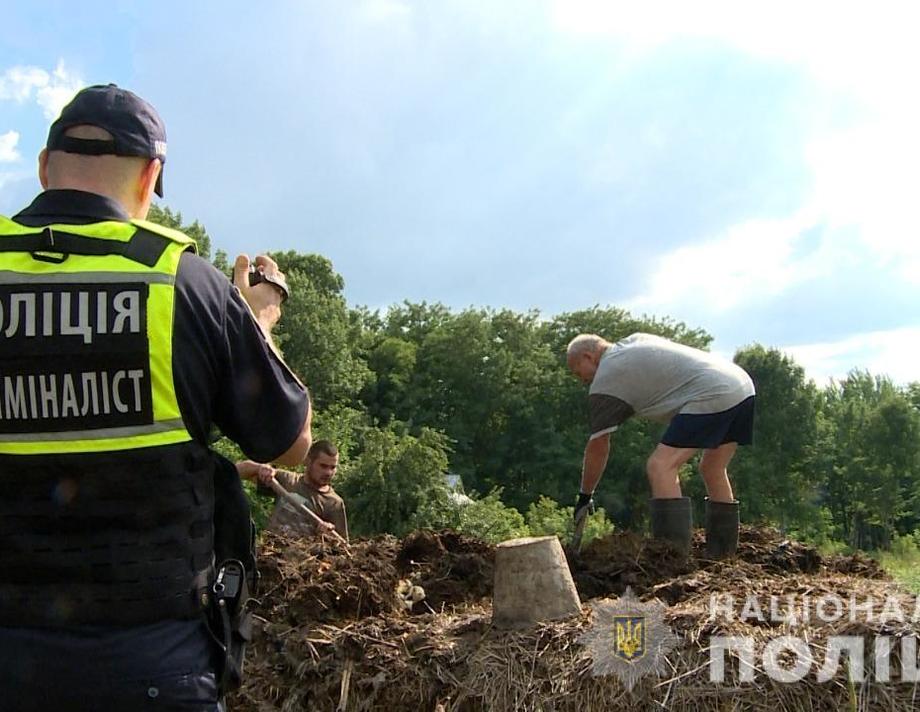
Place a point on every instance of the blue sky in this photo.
(753, 172)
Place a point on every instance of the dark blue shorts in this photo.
(735, 425)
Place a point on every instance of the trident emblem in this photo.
(630, 637)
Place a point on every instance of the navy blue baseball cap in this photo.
(136, 128)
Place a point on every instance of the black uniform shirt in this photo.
(225, 372)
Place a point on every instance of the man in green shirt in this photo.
(313, 488)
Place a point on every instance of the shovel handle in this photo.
(298, 505)
(579, 532)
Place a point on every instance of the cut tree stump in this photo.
(532, 583)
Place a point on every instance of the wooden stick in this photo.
(346, 684)
(299, 506)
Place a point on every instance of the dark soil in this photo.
(606, 567)
(304, 579)
(322, 606)
(765, 547)
(452, 568)
(307, 580)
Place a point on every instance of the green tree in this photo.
(873, 475)
(319, 335)
(342, 425)
(613, 324)
(912, 391)
(392, 361)
(495, 382)
(414, 321)
(393, 476)
(776, 479)
(167, 218)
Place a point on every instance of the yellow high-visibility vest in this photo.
(86, 337)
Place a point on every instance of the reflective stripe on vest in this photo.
(86, 330)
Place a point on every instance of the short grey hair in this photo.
(583, 344)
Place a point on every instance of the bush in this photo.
(546, 517)
(598, 526)
(491, 520)
(906, 547)
(821, 533)
(439, 511)
(903, 560)
(392, 479)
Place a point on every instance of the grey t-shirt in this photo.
(655, 378)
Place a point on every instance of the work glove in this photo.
(583, 507)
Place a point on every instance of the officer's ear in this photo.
(149, 177)
(146, 185)
(43, 168)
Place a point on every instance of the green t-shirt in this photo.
(326, 505)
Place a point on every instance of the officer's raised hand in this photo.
(264, 297)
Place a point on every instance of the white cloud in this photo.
(892, 353)
(375, 11)
(863, 165)
(19, 83)
(8, 199)
(58, 92)
(865, 179)
(8, 142)
(50, 90)
(845, 44)
(751, 261)
(862, 200)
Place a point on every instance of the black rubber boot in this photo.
(722, 520)
(672, 520)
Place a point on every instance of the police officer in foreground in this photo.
(119, 349)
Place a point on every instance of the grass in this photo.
(903, 562)
(906, 572)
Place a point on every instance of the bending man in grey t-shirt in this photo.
(709, 405)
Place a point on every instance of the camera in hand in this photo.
(256, 276)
